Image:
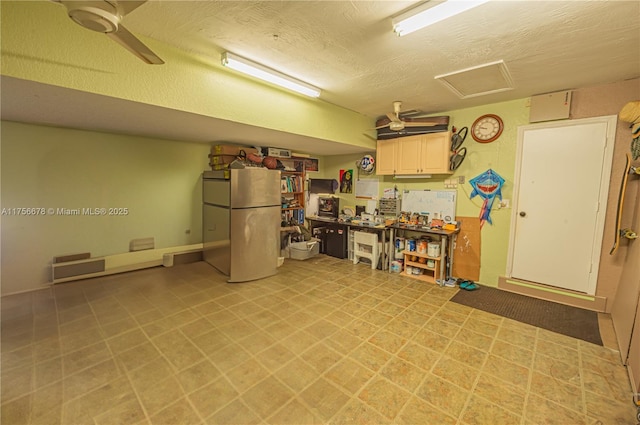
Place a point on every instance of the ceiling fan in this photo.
(105, 16)
(398, 119)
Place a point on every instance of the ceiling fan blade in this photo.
(128, 6)
(419, 124)
(411, 113)
(135, 46)
(392, 117)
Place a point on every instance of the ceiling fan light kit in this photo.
(426, 14)
(267, 74)
(104, 17)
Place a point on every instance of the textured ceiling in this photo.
(348, 49)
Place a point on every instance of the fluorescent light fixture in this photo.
(262, 72)
(425, 15)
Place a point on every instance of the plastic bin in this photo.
(304, 250)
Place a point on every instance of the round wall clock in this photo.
(487, 128)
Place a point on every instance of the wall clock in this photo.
(487, 128)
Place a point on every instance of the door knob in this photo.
(522, 213)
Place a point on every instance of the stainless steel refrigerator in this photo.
(241, 222)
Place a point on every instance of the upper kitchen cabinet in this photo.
(386, 156)
(416, 155)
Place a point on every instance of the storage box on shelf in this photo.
(428, 273)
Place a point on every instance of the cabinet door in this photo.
(386, 155)
(435, 153)
(409, 155)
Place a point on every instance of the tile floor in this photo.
(323, 342)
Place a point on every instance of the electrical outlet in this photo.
(460, 179)
(504, 204)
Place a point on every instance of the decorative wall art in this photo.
(487, 185)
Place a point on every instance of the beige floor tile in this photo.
(509, 372)
(357, 412)
(129, 412)
(160, 395)
(88, 379)
(607, 410)
(349, 375)
(566, 372)
(441, 327)
(370, 356)
(418, 411)
(326, 398)
(82, 409)
(321, 357)
(180, 412)
(387, 340)
(404, 374)
(17, 411)
(197, 376)
(246, 375)
(181, 345)
(211, 398)
(385, 397)
(295, 413)
(235, 412)
(506, 396)
(540, 410)
(515, 337)
(297, 374)
(481, 412)
(178, 350)
(343, 341)
(228, 357)
(456, 372)
(275, 356)
(444, 395)
(420, 356)
(267, 397)
(513, 353)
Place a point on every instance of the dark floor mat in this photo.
(559, 318)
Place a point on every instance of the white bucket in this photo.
(408, 270)
(433, 249)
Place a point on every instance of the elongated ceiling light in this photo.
(424, 15)
(262, 72)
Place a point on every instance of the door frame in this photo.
(605, 181)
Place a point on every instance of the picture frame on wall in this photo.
(311, 165)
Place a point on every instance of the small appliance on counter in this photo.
(328, 207)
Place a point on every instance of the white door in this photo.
(561, 185)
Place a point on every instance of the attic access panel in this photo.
(493, 77)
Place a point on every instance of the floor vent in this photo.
(68, 269)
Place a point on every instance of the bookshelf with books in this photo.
(292, 196)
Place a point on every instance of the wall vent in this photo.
(141, 244)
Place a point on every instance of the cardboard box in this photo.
(233, 150)
(221, 159)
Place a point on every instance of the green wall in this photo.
(158, 181)
(40, 43)
(499, 156)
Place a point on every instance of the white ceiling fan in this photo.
(105, 16)
(399, 119)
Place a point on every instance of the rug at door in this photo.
(571, 321)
